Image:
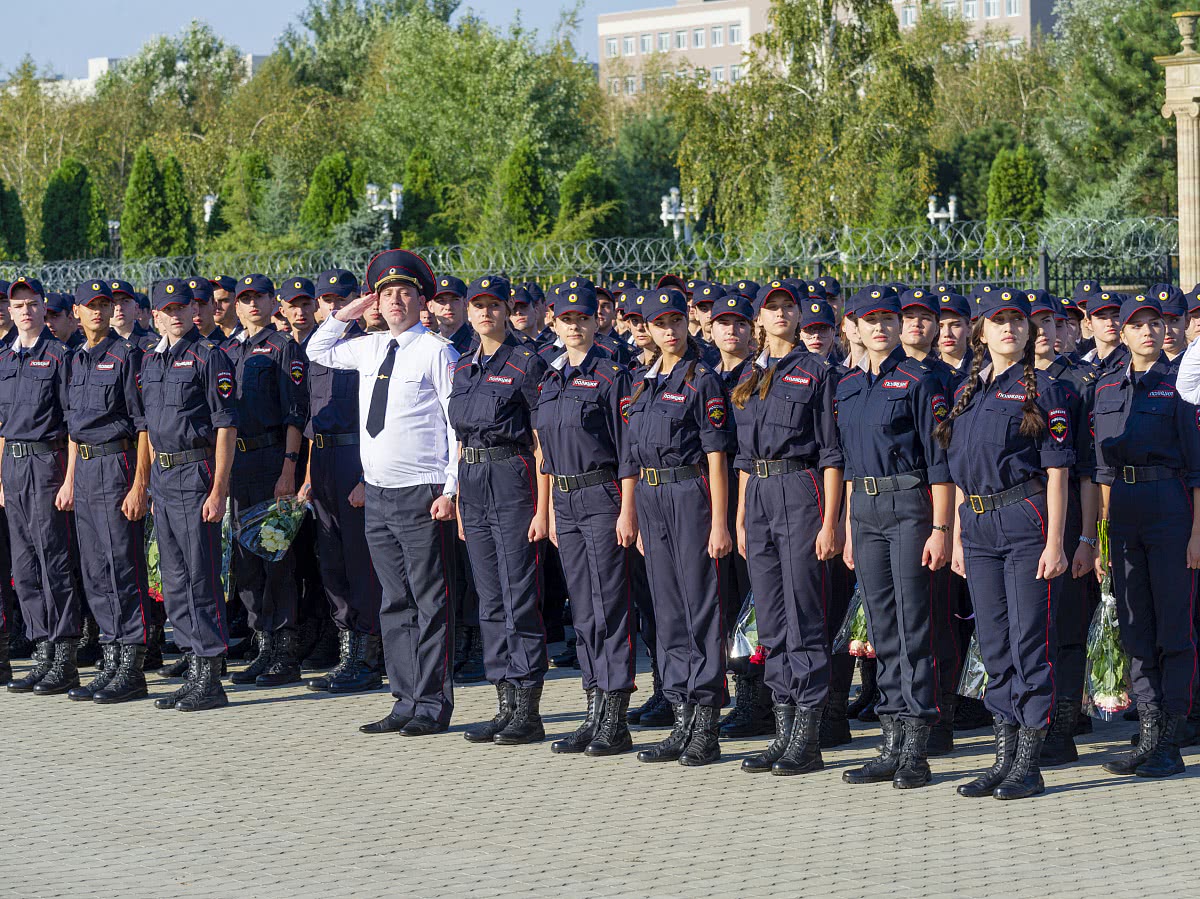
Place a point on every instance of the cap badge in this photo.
(815, 307)
(95, 287)
(248, 280)
(333, 280)
(170, 288)
(296, 284)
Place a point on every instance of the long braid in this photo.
(1033, 421)
(649, 363)
(943, 430)
(694, 347)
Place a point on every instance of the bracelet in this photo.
(944, 528)
(1090, 541)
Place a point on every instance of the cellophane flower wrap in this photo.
(973, 682)
(745, 635)
(269, 528)
(153, 572)
(1106, 685)
(852, 636)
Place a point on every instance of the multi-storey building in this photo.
(1022, 19)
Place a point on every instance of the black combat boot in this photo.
(64, 673)
(613, 736)
(1006, 750)
(761, 762)
(914, 757)
(1164, 759)
(266, 648)
(1149, 731)
(941, 735)
(346, 650)
(365, 672)
(180, 667)
(5, 664)
(206, 692)
(751, 715)
(670, 749)
(568, 658)
(43, 661)
(704, 747)
(506, 699)
(326, 652)
(634, 715)
(284, 667)
(583, 735)
(129, 682)
(1024, 778)
(1059, 748)
(110, 658)
(154, 655)
(972, 714)
(884, 766)
(471, 670)
(189, 684)
(87, 652)
(868, 693)
(803, 753)
(525, 726)
(835, 725)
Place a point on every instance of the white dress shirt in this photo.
(417, 444)
(1187, 381)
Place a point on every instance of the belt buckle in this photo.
(241, 445)
(1129, 474)
(651, 476)
(761, 469)
(977, 504)
(471, 455)
(561, 482)
(319, 440)
(871, 486)
(85, 452)
(164, 460)
(20, 451)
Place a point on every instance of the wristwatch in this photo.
(1090, 541)
(294, 457)
(944, 528)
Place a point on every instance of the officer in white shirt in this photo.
(410, 465)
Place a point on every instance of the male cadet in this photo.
(8, 598)
(111, 461)
(191, 420)
(204, 310)
(334, 484)
(410, 462)
(145, 316)
(224, 306)
(272, 408)
(35, 492)
(449, 309)
(8, 333)
(61, 320)
(606, 318)
(125, 316)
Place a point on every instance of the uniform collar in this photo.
(182, 345)
(102, 347)
(43, 338)
(498, 358)
(584, 367)
(1152, 376)
(677, 373)
(261, 337)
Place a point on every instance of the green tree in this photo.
(12, 225)
(331, 198)
(517, 208)
(181, 222)
(646, 147)
(74, 225)
(421, 220)
(966, 167)
(242, 190)
(145, 219)
(589, 204)
(1016, 187)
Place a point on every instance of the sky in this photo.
(62, 34)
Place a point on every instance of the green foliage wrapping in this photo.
(331, 198)
(589, 204)
(145, 219)
(12, 225)
(74, 225)
(181, 222)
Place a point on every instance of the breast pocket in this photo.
(259, 380)
(893, 415)
(788, 405)
(177, 387)
(1000, 426)
(666, 422)
(151, 380)
(100, 392)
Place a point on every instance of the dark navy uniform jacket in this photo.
(492, 400)
(188, 391)
(621, 352)
(1082, 377)
(1142, 421)
(103, 390)
(676, 420)
(709, 354)
(580, 416)
(988, 454)
(332, 395)
(796, 420)
(272, 391)
(464, 339)
(948, 377)
(33, 390)
(145, 340)
(886, 421)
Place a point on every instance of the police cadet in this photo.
(36, 493)
(1174, 316)
(704, 295)
(580, 425)
(112, 471)
(503, 509)
(61, 320)
(1147, 439)
(900, 512)
(1010, 450)
(448, 308)
(145, 316)
(272, 410)
(1103, 310)
(789, 465)
(204, 310)
(630, 309)
(1193, 313)
(523, 319)
(606, 317)
(334, 483)
(124, 316)
(680, 438)
(224, 305)
(1069, 335)
(191, 419)
(11, 630)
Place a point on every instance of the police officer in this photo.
(189, 397)
(1103, 310)
(204, 310)
(606, 319)
(448, 308)
(224, 305)
(272, 411)
(1174, 316)
(954, 330)
(1147, 440)
(145, 317)
(61, 320)
(503, 509)
(124, 316)
(524, 318)
(10, 631)
(35, 490)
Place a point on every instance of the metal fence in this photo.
(1130, 253)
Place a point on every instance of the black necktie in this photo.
(378, 410)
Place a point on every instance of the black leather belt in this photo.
(1134, 474)
(248, 444)
(568, 482)
(993, 501)
(767, 468)
(94, 450)
(655, 476)
(19, 450)
(910, 480)
(476, 455)
(170, 460)
(320, 441)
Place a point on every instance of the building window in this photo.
(908, 16)
(610, 47)
(627, 46)
(718, 74)
(680, 40)
(991, 9)
(735, 33)
(647, 43)
(735, 74)
(949, 7)
(1012, 7)
(1015, 43)
(614, 86)
(718, 36)
(631, 84)
(697, 38)
(664, 41)
(970, 9)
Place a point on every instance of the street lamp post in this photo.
(943, 218)
(114, 238)
(394, 207)
(677, 214)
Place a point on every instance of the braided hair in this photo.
(758, 379)
(692, 346)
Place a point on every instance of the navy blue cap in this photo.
(634, 302)
(336, 281)
(576, 283)
(1070, 307)
(201, 289)
(707, 292)
(993, 302)
(876, 298)
(691, 284)
(776, 286)
(1041, 301)
(981, 290)
(295, 288)
(603, 291)
(25, 281)
(259, 283)
(171, 291)
(535, 292)
(118, 286)
(1084, 291)
(618, 287)
(580, 298)
(223, 282)
(661, 302)
(449, 284)
(1105, 299)
(671, 281)
(833, 287)
(899, 286)
(400, 265)
(489, 286)
(746, 288)
(87, 291)
(944, 287)
(951, 303)
(734, 304)
(1193, 299)
(518, 295)
(816, 290)
(920, 298)
(143, 301)
(59, 302)
(4, 285)
(815, 311)
(1135, 304)
(1170, 298)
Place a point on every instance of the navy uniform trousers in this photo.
(412, 554)
(346, 568)
(189, 557)
(597, 571)
(497, 501)
(41, 546)
(8, 598)
(1148, 534)
(1014, 613)
(267, 589)
(791, 587)
(889, 532)
(112, 548)
(685, 586)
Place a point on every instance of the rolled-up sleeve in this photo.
(1187, 381)
(1057, 446)
(825, 428)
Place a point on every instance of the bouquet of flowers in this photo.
(1106, 685)
(745, 634)
(973, 683)
(269, 528)
(153, 574)
(853, 637)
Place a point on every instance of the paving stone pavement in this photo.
(280, 796)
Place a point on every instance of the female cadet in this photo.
(679, 436)
(900, 511)
(789, 465)
(1148, 459)
(503, 510)
(580, 426)
(1010, 448)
